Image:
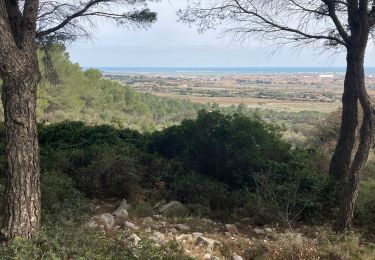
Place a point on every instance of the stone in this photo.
(134, 239)
(121, 214)
(148, 230)
(157, 226)
(105, 219)
(206, 242)
(92, 224)
(160, 236)
(182, 227)
(148, 221)
(160, 204)
(174, 209)
(231, 228)
(197, 234)
(207, 257)
(124, 205)
(268, 230)
(131, 225)
(184, 237)
(173, 230)
(259, 231)
(237, 257)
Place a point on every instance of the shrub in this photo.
(192, 188)
(292, 247)
(364, 214)
(227, 148)
(61, 201)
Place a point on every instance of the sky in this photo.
(169, 43)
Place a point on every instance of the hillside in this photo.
(86, 96)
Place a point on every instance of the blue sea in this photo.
(211, 71)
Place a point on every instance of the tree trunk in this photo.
(341, 159)
(349, 192)
(22, 210)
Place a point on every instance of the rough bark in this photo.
(22, 195)
(341, 159)
(350, 182)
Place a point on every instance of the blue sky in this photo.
(171, 44)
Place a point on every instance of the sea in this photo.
(217, 71)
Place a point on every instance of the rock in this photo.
(160, 204)
(174, 209)
(148, 230)
(173, 230)
(237, 257)
(92, 224)
(231, 228)
(184, 237)
(206, 242)
(121, 214)
(159, 235)
(197, 234)
(207, 257)
(182, 227)
(134, 239)
(268, 230)
(259, 231)
(124, 205)
(105, 219)
(116, 228)
(157, 226)
(210, 257)
(148, 221)
(131, 225)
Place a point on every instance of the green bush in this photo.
(228, 148)
(61, 201)
(364, 214)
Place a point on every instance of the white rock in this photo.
(121, 213)
(105, 219)
(148, 221)
(197, 234)
(131, 225)
(207, 257)
(134, 239)
(124, 205)
(160, 236)
(184, 237)
(174, 209)
(237, 257)
(148, 230)
(231, 228)
(206, 242)
(268, 230)
(92, 224)
(259, 231)
(182, 227)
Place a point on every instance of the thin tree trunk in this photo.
(350, 187)
(341, 159)
(22, 210)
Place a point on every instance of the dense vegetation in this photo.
(221, 166)
(85, 96)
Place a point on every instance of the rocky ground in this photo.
(201, 238)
